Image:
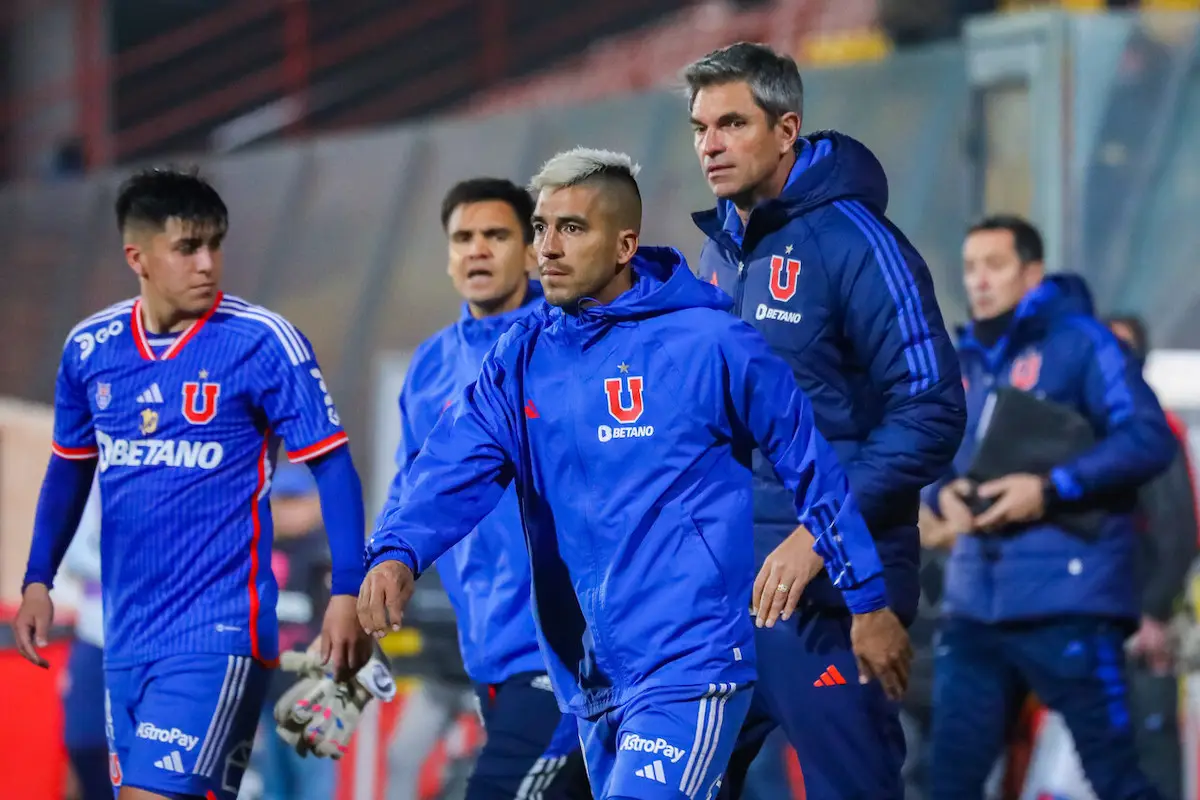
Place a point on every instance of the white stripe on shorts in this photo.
(228, 701)
(538, 779)
(709, 718)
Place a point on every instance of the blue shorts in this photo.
(183, 726)
(665, 744)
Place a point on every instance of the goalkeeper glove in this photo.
(318, 715)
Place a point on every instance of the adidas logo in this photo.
(653, 772)
(171, 762)
(151, 395)
(830, 677)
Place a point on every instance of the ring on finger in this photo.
(782, 588)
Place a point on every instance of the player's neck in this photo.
(621, 283)
(769, 189)
(510, 303)
(160, 317)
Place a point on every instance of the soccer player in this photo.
(179, 398)
(531, 746)
(624, 413)
(800, 241)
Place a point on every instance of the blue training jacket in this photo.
(627, 429)
(839, 293)
(1057, 349)
(486, 575)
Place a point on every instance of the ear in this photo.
(1035, 273)
(787, 129)
(136, 260)
(627, 246)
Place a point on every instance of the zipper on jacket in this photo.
(741, 284)
(599, 636)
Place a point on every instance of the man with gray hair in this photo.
(800, 241)
(624, 413)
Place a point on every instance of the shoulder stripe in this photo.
(1110, 358)
(910, 311)
(115, 310)
(297, 352)
(287, 346)
(286, 328)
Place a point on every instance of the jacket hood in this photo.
(662, 282)
(1058, 295)
(830, 166)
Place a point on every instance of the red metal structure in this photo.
(336, 63)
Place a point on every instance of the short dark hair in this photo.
(153, 196)
(479, 190)
(1136, 326)
(773, 78)
(1026, 239)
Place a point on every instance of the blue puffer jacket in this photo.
(842, 296)
(1057, 349)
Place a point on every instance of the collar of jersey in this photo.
(139, 331)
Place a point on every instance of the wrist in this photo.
(44, 586)
(1052, 498)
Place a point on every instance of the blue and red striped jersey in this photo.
(186, 429)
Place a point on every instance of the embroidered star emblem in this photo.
(203, 374)
(788, 250)
(623, 367)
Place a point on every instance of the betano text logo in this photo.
(148, 730)
(158, 453)
(766, 312)
(658, 746)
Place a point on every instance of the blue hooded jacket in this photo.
(840, 294)
(1056, 348)
(627, 429)
(486, 575)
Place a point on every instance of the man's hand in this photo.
(1152, 643)
(952, 501)
(936, 532)
(32, 624)
(1018, 498)
(784, 574)
(883, 650)
(342, 644)
(383, 596)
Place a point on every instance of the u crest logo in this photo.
(200, 401)
(1025, 371)
(624, 414)
(783, 278)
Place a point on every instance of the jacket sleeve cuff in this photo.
(1065, 484)
(868, 596)
(403, 554)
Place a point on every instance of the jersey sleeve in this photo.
(74, 430)
(295, 398)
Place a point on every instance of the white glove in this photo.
(318, 715)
